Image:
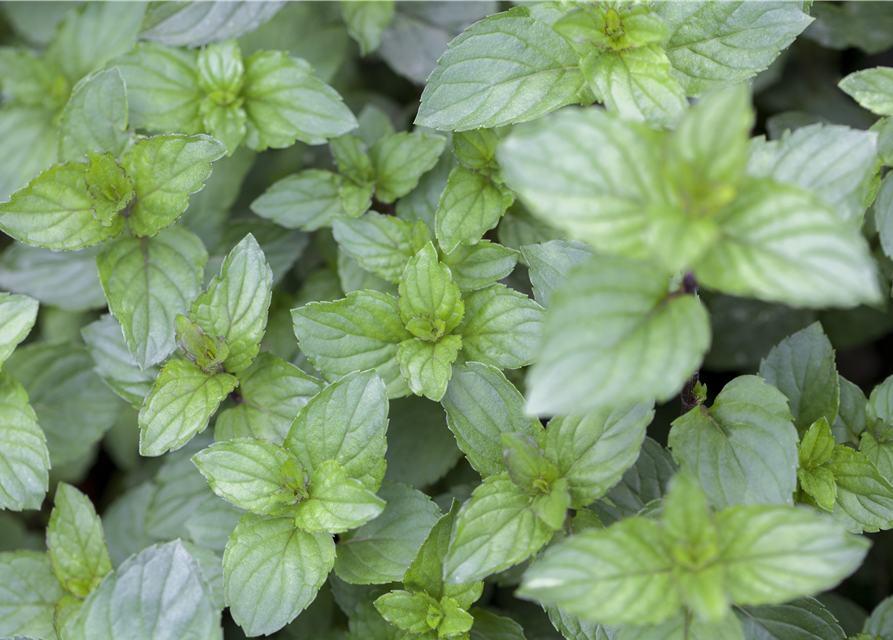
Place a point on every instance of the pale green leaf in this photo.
(352, 158)
(410, 611)
(180, 489)
(95, 118)
(881, 620)
(550, 262)
(305, 200)
(25, 462)
(400, 160)
(851, 418)
(28, 594)
(527, 464)
(124, 522)
(427, 366)
(883, 213)
(220, 70)
(684, 626)
(573, 628)
(478, 266)
(17, 316)
(430, 304)
(380, 244)
(470, 205)
(193, 25)
(226, 123)
(864, 497)
(476, 149)
(114, 364)
(352, 277)
(366, 20)
(29, 145)
(804, 618)
(872, 88)
(421, 203)
(337, 503)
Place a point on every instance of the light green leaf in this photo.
(95, 118)
(220, 71)
(470, 205)
(430, 304)
(573, 628)
(804, 617)
(872, 88)
(148, 281)
(744, 448)
(17, 316)
(345, 422)
(179, 406)
(114, 364)
(226, 123)
(470, 89)
(476, 149)
(550, 262)
(594, 450)
(527, 464)
(802, 367)
(636, 83)
(599, 192)
(817, 445)
(619, 575)
(864, 497)
(108, 185)
(356, 198)
(480, 265)
(400, 160)
(305, 200)
(352, 158)
(421, 203)
(165, 170)
(380, 244)
(352, 277)
(337, 503)
(502, 327)
(881, 620)
(161, 591)
(76, 543)
(685, 627)
(427, 366)
(271, 392)
(193, 25)
(56, 211)
(236, 303)
(552, 507)
(496, 529)
(65, 615)
(410, 611)
(613, 335)
(883, 213)
(284, 103)
(28, 595)
(211, 522)
(781, 244)
(382, 549)
(25, 463)
(366, 20)
(851, 418)
(29, 145)
(179, 490)
(360, 332)
(481, 405)
(712, 45)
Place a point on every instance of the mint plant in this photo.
(461, 321)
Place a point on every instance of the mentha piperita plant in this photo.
(446, 320)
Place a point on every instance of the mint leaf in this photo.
(883, 214)
(165, 170)
(802, 367)
(352, 413)
(365, 22)
(471, 204)
(24, 478)
(872, 88)
(879, 622)
(426, 366)
(480, 265)
(805, 615)
(470, 90)
(550, 262)
(744, 448)
(56, 211)
(594, 331)
(380, 244)
(17, 317)
(179, 406)
(352, 158)
(285, 103)
(400, 160)
(271, 392)
(481, 405)
(306, 200)
(686, 627)
(430, 304)
(75, 541)
(527, 464)
(362, 331)
(336, 503)
(163, 580)
(30, 592)
(421, 203)
(712, 45)
(851, 418)
(236, 303)
(476, 149)
(594, 451)
(413, 612)
(143, 297)
(779, 243)
(864, 497)
(501, 327)
(196, 24)
(383, 549)
(30, 145)
(95, 118)
(573, 628)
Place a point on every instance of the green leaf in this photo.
(636, 83)
(236, 303)
(383, 549)
(802, 367)
(95, 118)
(502, 327)
(401, 159)
(470, 89)
(421, 203)
(686, 627)
(496, 529)
(476, 149)
(851, 419)
(17, 316)
(356, 198)
(284, 103)
(489, 626)
(781, 244)
(206, 352)
(179, 490)
(613, 335)
(144, 295)
(161, 590)
(65, 615)
(337, 503)
(273, 571)
(880, 622)
(801, 618)
(29, 143)
(619, 575)
(864, 497)
(481, 405)
(56, 211)
(470, 205)
(380, 244)
(872, 88)
(430, 304)
(193, 25)
(352, 417)
(24, 467)
(305, 200)
(550, 262)
(108, 185)
(271, 392)
(573, 628)
(252, 474)
(594, 450)
(366, 20)
(817, 445)
(712, 45)
(478, 266)
(883, 213)
(220, 71)
(552, 507)
(427, 366)
(114, 364)
(773, 554)
(527, 464)
(165, 170)
(360, 332)
(410, 611)
(352, 158)
(179, 406)
(29, 594)
(75, 541)
(744, 448)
